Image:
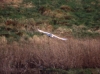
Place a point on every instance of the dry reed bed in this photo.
(50, 53)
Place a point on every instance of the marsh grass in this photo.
(49, 53)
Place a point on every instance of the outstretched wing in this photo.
(43, 32)
(51, 35)
(59, 37)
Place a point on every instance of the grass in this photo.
(43, 54)
(62, 13)
(25, 51)
(86, 13)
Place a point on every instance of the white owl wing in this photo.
(43, 32)
(59, 37)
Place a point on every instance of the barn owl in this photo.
(51, 35)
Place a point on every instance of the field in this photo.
(23, 50)
(48, 54)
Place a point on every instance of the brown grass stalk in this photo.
(49, 53)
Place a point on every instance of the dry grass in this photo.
(25, 57)
(11, 1)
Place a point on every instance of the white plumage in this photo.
(51, 35)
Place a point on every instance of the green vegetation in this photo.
(73, 71)
(58, 13)
(86, 12)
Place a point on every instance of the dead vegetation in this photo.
(11, 1)
(43, 53)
